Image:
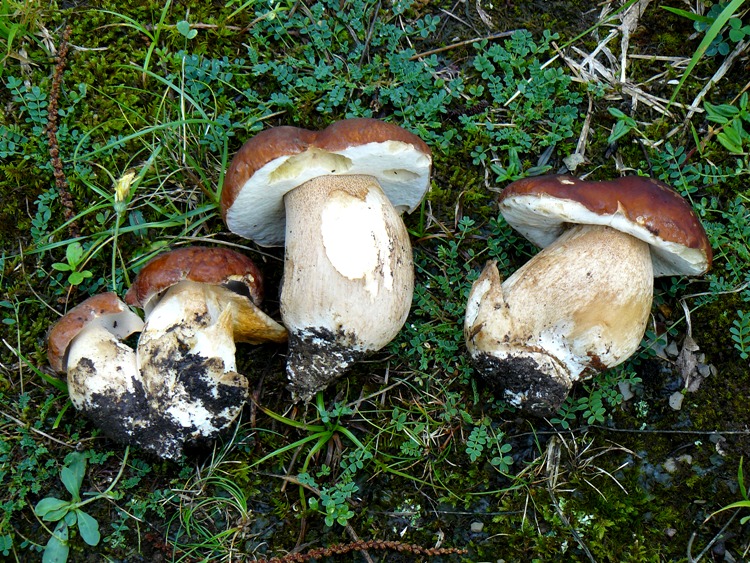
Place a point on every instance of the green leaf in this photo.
(731, 140)
(60, 267)
(711, 34)
(74, 253)
(721, 113)
(50, 506)
(184, 28)
(89, 528)
(75, 278)
(57, 547)
(688, 15)
(72, 474)
(741, 481)
(70, 518)
(619, 130)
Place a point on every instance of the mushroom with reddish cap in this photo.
(334, 199)
(181, 384)
(199, 301)
(103, 377)
(582, 303)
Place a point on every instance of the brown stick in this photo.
(61, 182)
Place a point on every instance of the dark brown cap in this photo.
(278, 160)
(541, 207)
(211, 265)
(74, 321)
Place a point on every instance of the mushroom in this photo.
(181, 384)
(334, 199)
(582, 303)
(198, 301)
(103, 377)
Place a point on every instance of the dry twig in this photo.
(63, 189)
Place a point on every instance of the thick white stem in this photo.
(186, 355)
(348, 277)
(578, 306)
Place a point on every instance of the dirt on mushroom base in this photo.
(317, 352)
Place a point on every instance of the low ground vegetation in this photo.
(117, 123)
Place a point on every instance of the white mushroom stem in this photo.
(348, 277)
(99, 364)
(186, 354)
(103, 377)
(580, 305)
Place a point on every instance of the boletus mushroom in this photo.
(102, 372)
(582, 303)
(333, 198)
(198, 301)
(180, 385)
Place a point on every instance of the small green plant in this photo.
(624, 125)
(740, 331)
(183, 27)
(732, 134)
(483, 440)
(713, 27)
(601, 393)
(334, 500)
(69, 513)
(744, 503)
(75, 258)
(736, 31)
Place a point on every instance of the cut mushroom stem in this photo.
(186, 355)
(103, 377)
(348, 277)
(579, 305)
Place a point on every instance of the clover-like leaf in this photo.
(184, 28)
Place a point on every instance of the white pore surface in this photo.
(402, 171)
(356, 240)
(542, 219)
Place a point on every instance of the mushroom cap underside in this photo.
(540, 208)
(278, 160)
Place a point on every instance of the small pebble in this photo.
(625, 390)
(675, 400)
(476, 527)
(672, 349)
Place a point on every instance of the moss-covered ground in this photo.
(410, 446)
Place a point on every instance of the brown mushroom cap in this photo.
(212, 265)
(278, 160)
(541, 207)
(235, 279)
(124, 323)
